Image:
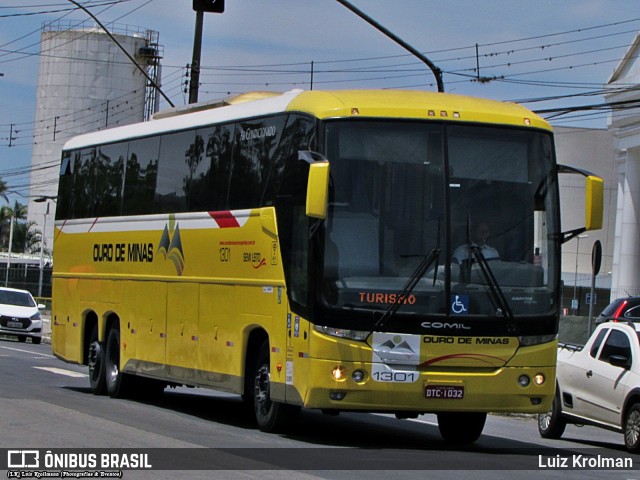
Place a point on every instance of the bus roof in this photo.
(406, 104)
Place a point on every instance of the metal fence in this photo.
(27, 277)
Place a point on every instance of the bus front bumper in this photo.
(352, 386)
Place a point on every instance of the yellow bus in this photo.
(303, 250)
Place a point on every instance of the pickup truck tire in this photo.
(552, 424)
(632, 429)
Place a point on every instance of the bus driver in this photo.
(479, 239)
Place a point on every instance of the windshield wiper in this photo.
(498, 299)
(416, 276)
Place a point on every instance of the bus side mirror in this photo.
(594, 202)
(593, 205)
(318, 190)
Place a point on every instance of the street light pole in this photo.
(42, 240)
(42, 199)
(574, 303)
(6, 279)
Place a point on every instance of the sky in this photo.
(547, 54)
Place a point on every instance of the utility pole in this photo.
(195, 59)
(200, 6)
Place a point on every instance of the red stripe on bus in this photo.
(224, 219)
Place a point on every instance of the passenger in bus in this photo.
(479, 238)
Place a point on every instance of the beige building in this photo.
(624, 126)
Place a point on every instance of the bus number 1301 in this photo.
(394, 376)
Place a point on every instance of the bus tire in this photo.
(461, 427)
(96, 362)
(551, 424)
(271, 416)
(118, 383)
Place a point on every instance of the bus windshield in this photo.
(483, 198)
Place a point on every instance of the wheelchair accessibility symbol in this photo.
(459, 304)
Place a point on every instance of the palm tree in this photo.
(19, 214)
(3, 190)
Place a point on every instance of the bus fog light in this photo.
(524, 380)
(339, 373)
(358, 376)
(337, 395)
(539, 379)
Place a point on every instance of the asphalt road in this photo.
(46, 405)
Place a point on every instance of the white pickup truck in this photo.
(599, 384)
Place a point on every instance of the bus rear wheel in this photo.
(461, 427)
(118, 383)
(96, 362)
(271, 416)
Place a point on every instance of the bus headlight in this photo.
(359, 335)
(539, 379)
(339, 373)
(524, 380)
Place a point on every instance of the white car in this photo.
(20, 315)
(599, 384)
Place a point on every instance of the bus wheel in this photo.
(271, 416)
(118, 383)
(96, 363)
(551, 424)
(461, 427)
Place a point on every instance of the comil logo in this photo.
(170, 246)
(393, 348)
(23, 459)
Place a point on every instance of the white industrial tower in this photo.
(85, 83)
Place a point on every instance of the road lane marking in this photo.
(60, 371)
(28, 351)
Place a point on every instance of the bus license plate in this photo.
(444, 392)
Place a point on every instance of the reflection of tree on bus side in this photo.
(193, 158)
(140, 184)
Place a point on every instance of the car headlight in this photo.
(35, 316)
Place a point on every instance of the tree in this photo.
(3, 190)
(23, 236)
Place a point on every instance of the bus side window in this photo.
(141, 176)
(210, 183)
(65, 187)
(178, 155)
(110, 165)
(297, 135)
(84, 183)
(255, 146)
